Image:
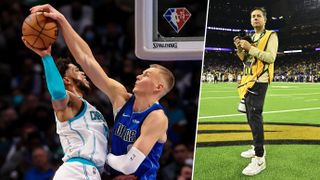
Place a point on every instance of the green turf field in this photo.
(284, 162)
(292, 132)
(299, 99)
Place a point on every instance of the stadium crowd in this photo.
(225, 67)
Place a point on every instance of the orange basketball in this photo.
(39, 31)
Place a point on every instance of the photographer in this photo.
(258, 58)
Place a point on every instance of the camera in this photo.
(247, 38)
(244, 36)
(242, 106)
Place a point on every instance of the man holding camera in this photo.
(258, 57)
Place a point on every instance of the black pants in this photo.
(254, 101)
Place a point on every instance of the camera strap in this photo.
(256, 42)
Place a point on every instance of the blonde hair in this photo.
(167, 75)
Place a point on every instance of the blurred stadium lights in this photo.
(276, 18)
(230, 50)
(219, 49)
(224, 29)
(292, 51)
(234, 30)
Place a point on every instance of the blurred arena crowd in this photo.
(29, 146)
(226, 67)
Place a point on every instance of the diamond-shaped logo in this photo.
(177, 17)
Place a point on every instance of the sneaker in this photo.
(255, 167)
(251, 153)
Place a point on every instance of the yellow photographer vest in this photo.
(257, 69)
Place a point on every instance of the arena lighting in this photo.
(276, 18)
(317, 49)
(234, 30)
(249, 30)
(218, 49)
(292, 51)
(224, 29)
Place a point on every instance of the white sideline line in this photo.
(269, 112)
(272, 95)
(310, 100)
(213, 91)
(221, 97)
(273, 89)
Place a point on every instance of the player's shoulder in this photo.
(157, 117)
(159, 113)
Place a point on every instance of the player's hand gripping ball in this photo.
(39, 31)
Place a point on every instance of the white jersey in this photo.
(85, 136)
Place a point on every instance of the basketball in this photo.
(39, 31)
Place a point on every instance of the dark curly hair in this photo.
(63, 65)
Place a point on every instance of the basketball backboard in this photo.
(169, 30)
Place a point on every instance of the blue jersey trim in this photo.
(68, 144)
(94, 146)
(85, 172)
(81, 160)
(106, 130)
(94, 138)
(80, 114)
(82, 139)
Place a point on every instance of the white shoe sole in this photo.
(252, 174)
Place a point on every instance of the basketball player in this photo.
(258, 59)
(81, 127)
(140, 122)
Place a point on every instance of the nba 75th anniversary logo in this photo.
(177, 17)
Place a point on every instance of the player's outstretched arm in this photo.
(59, 96)
(53, 78)
(82, 53)
(153, 130)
